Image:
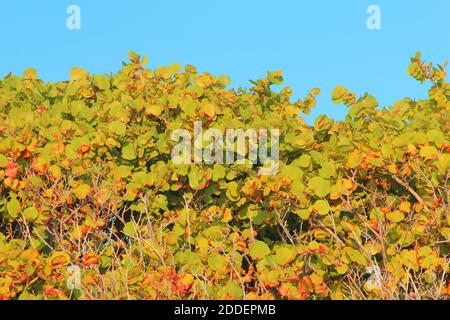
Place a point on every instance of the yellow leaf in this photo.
(405, 207)
(76, 233)
(78, 74)
(209, 110)
(342, 269)
(418, 207)
(354, 159)
(293, 110)
(317, 279)
(392, 168)
(30, 74)
(82, 191)
(395, 216)
(188, 279)
(154, 110)
(429, 152)
(315, 91)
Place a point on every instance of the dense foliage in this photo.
(360, 209)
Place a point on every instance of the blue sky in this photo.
(320, 43)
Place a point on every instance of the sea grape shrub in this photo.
(358, 210)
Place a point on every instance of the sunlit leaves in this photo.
(78, 74)
(293, 110)
(405, 206)
(30, 74)
(134, 57)
(339, 93)
(101, 81)
(86, 178)
(276, 77)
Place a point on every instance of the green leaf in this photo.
(55, 171)
(130, 229)
(3, 161)
(355, 255)
(297, 188)
(31, 213)
(304, 214)
(259, 250)
(395, 216)
(284, 256)
(160, 202)
(76, 107)
(218, 263)
(13, 207)
(117, 127)
(342, 269)
(292, 172)
(304, 161)
(276, 77)
(231, 291)
(101, 82)
(328, 170)
(219, 172)
(233, 191)
(129, 152)
(443, 163)
(319, 186)
(322, 207)
(81, 191)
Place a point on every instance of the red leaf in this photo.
(11, 170)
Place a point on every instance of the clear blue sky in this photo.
(320, 43)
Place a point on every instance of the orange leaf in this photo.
(90, 259)
(11, 170)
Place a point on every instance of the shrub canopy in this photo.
(359, 209)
